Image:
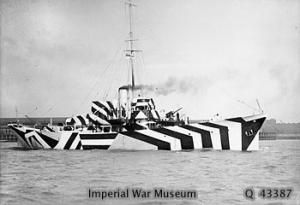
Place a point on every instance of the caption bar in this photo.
(268, 193)
(139, 193)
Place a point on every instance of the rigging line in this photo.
(239, 101)
(141, 69)
(119, 78)
(44, 110)
(97, 81)
(110, 65)
(122, 67)
(142, 57)
(128, 73)
(50, 107)
(47, 111)
(137, 70)
(242, 102)
(122, 73)
(114, 73)
(105, 91)
(107, 81)
(30, 112)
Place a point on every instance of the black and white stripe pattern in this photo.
(148, 108)
(155, 115)
(148, 101)
(79, 120)
(31, 138)
(113, 109)
(102, 112)
(96, 120)
(97, 140)
(250, 127)
(232, 134)
(69, 140)
(105, 110)
(87, 140)
(49, 129)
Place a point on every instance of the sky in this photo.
(207, 56)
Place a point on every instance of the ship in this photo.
(133, 123)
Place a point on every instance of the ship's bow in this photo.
(250, 127)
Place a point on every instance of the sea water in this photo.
(218, 177)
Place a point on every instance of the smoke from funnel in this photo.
(172, 85)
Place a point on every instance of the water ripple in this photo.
(42, 176)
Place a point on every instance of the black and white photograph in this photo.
(149, 102)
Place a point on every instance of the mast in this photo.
(131, 51)
(130, 5)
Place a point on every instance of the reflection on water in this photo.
(64, 177)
